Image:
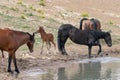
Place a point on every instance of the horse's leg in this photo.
(2, 56)
(89, 50)
(53, 43)
(99, 51)
(15, 64)
(48, 46)
(63, 45)
(42, 48)
(9, 62)
(97, 43)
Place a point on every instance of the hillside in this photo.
(28, 14)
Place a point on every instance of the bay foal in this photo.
(46, 37)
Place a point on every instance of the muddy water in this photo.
(106, 68)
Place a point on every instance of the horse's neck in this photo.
(100, 34)
(21, 38)
(42, 33)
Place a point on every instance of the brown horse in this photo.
(11, 40)
(90, 24)
(46, 37)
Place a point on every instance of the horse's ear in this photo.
(40, 27)
(33, 34)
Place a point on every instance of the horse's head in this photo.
(108, 39)
(30, 42)
(39, 30)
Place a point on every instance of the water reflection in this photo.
(61, 74)
(83, 71)
(89, 70)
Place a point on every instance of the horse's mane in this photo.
(42, 29)
(31, 36)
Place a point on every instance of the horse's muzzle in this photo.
(31, 51)
(109, 45)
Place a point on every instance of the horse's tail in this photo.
(59, 42)
(98, 24)
(94, 23)
(81, 22)
(63, 33)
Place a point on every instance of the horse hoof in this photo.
(64, 53)
(17, 71)
(9, 71)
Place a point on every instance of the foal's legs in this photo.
(48, 46)
(53, 43)
(42, 48)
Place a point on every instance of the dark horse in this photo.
(90, 24)
(11, 40)
(84, 37)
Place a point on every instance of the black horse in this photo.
(84, 37)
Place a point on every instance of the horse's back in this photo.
(5, 38)
(9, 38)
(4, 33)
(65, 26)
(50, 36)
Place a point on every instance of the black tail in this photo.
(94, 23)
(59, 41)
(63, 34)
(81, 21)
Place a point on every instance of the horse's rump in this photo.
(90, 24)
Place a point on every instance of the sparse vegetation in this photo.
(29, 14)
(31, 6)
(23, 16)
(111, 22)
(84, 14)
(42, 2)
(14, 8)
(19, 2)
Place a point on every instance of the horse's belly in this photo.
(80, 41)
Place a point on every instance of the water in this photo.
(106, 68)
